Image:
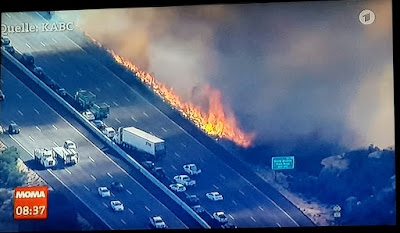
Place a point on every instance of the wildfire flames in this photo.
(214, 122)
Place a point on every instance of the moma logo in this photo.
(30, 194)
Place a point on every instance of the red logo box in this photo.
(30, 202)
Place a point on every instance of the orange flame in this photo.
(214, 123)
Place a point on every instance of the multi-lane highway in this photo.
(65, 58)
(42, 127)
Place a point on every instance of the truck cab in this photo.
(45, 157)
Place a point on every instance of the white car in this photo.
(117, 206)
(192, 169)
(185, 180)
(89, 115)
(69, 145)
(215, 196)
(109, 132)
(158, 222)
(104, 192)
(178, 187)
(220, 217)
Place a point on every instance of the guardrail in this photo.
(107, 140)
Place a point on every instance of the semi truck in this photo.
(85, 98)
(45, 157)
(69, 156)
(134, 138)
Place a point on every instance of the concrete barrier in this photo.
(107, 140)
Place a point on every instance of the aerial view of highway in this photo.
(89, 116)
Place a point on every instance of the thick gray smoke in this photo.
(286, 71)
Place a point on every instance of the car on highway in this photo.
(116, 185)
(69, 144)
(149, 165)
(38, 71)
(158, 172)
(193, 199)
(109, 132)
(220, 217)
(117, 205)
(158, 222)
(5, 40)
(198, 209)
(104, 191)
(177, 187)
(229, 225)
(9, 48)
(28, 59)
(88, 115)
(13, 128)
(99, 124)
(2, 96)
(192, 169)
(185, 180)
(215, 196)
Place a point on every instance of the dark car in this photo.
(198, 209)
(159, 172)
(193, 199)
(5, 40)
(229, 225)
(28, 59)
(38, 71)
(99, 124)
(117, 186)
(9, 48)
(14, 129)
(149, 165)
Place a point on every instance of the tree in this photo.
(10, 177)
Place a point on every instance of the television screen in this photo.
(204, 116)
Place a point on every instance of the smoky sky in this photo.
(285, 70)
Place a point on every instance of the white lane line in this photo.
(23, 147)
(283, 211)
(234, 202)
(108, 84)
(55, 127)
(115, 103)
(112, 194)
(105, 204)
(177, 155)
(19, 96)
(222, 176)
(163, 129)
(8, 15)
(173, 167)
(43, 44)
(127, 99)
(182, 144)
(91, 159)
(129, 191)
(30, 137)
(55, 143)
(20, 113)
(230, 215)
(147, 208)
(94, 178)
(144, 113)
(69, 172)
(98, 89)
(61, 59)
(129, 209)
(109, 175)
(240, 191)
(36, 111)
(27, 45)
(38, 128)
(86, 187)
(262, 209)
(133, 119)
(79, 73)
(253, 219)
(279, 225)
(64, 75)
(54, 40)
(123, 221)
(116, 119)
(216, 187)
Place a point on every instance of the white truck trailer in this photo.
(45, 157)
(69, 156)
(135, 138)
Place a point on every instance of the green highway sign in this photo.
(285, 162)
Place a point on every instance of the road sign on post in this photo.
(284, 162)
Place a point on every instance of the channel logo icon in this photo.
(30, 202)
(366, 17)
